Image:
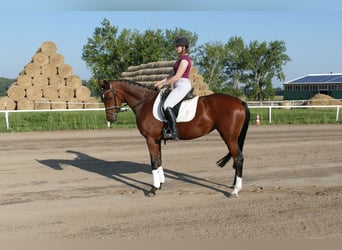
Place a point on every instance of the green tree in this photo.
(264, 62)
(209, 59)
(234, 64)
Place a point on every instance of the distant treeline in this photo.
(5, 83)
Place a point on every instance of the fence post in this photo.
(337, 112)
(6, 118)
(269, 114)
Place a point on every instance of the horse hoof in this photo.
(152, 192)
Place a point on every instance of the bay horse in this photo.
(227, 114)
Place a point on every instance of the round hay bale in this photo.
(7, 103)
(75, 104)
(74, 82)
(64, 70)
(58, 105)
(66, 93)
(42, 103)
(285, 105)
(25, 104)
(33, 93)
(32, 69)
(92, 103)
(48, 47)
(40, 81)
(57, 81)
(82, 93)
(24, 81)
(56, 59)
(49, 70)
(16, 93)
(50, 93)
(40, 58)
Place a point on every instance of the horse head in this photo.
(111, 99)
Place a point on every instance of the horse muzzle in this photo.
(112, 117)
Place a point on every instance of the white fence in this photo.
(269, 107)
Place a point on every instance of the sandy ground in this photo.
(92, 184)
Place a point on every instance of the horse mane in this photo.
(146, 86)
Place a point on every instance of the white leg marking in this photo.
(161, 174)
(156, 179)
(238, 186)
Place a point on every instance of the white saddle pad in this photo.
(186, 112)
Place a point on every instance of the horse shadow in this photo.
(120, 171)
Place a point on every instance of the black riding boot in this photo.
(171, 118)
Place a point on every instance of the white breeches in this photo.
(180, 89)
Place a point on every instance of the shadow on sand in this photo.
(120, 171)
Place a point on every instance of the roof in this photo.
(317, 78)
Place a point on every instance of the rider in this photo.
(180, 80)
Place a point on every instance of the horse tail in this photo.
(243, 132)
(241, 140)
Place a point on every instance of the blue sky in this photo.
(311, 32)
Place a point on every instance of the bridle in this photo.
(116, 96)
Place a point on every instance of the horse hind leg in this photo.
(238, 165)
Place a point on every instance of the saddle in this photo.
(166, 127)
(165, 94)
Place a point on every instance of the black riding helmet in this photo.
(181, 41)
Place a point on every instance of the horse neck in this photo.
(135, 95)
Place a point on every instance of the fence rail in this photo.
(269, 107)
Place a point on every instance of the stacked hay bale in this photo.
(48, 83)
(152, 72)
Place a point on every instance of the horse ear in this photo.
(103, 84)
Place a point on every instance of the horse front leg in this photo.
(154, 147)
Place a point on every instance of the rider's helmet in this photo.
(181, 41)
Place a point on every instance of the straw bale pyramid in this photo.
(48, 83)
(152, 72)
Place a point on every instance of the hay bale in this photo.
(34, 93)
(40, 58)
(322, 99)
(57, 81)
(32, 69)
(82, 93)
(75, 104)
(7, 103)
(66, 93)
(40, 81)
(74, 82)
(58, 105)
(49, 70)
(91, 103)
(48, 48)
(56, 59)
(24, 81)
(50, 93)
(16, 93)
(25, 104)
(64, 70)
(42, 103)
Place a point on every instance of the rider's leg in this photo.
(171, 118)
